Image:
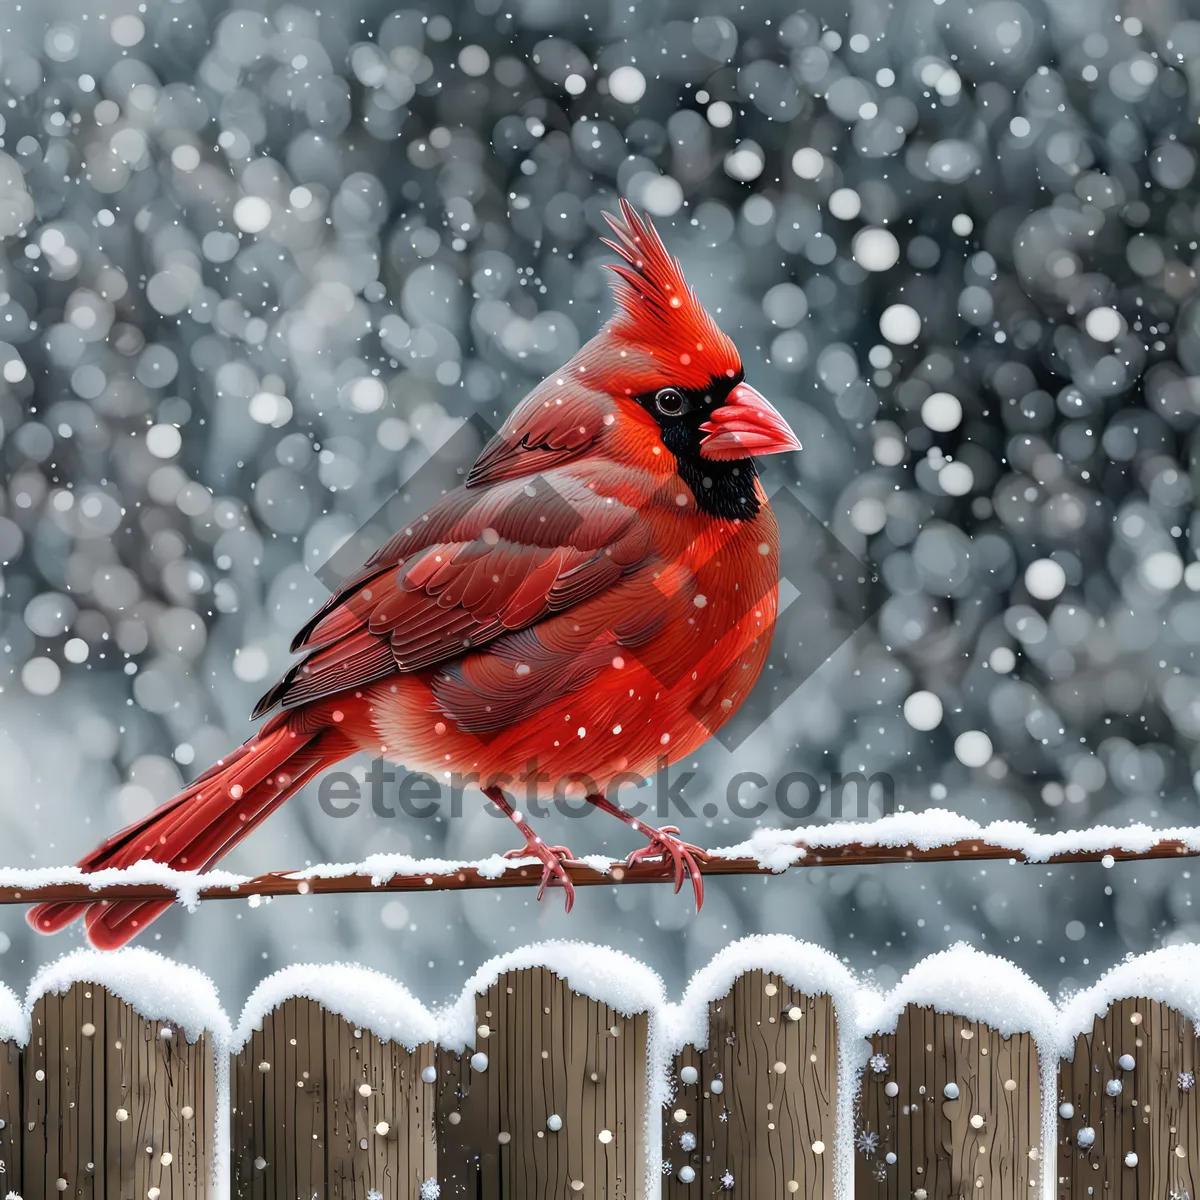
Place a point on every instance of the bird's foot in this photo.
(666, 844)
(552, 859)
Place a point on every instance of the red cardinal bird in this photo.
(596, 600)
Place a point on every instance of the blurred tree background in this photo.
(258, 262)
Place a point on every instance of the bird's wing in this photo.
(523, 672)
(480, 564)
(556, 423)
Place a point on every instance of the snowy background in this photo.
(256, 265)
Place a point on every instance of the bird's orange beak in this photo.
(745, 425)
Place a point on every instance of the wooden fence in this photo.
(560, 1094)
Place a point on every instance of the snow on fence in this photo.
(563, 1071)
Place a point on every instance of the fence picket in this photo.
(1153, 1115)
(10, 1114)
(113, 1104)
(763, 1111)
(321, 1106)
(559, 1110)
(549, 1100)
(957, 1104)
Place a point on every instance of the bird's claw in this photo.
(534, 850)
(665, 843)
(552, 859)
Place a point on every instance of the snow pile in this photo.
(778, 849)
(367, 999)
(773, 849)
(382, 867)
(971, 984)
(1170, 975)
(154, 986)
(186, 885)
(801, 965)
(14, 1026)
(598, 972)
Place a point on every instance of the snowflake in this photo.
(879, 1170)
(1187, 1081)
(867, 1142)
(724, 1115)
(667, 1168)
(687, 1141)
(371, 1195)
(727, 1181)
(430, 1190)
(879, 1063)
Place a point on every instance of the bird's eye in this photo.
(669, 402)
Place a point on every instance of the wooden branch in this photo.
(528, 873)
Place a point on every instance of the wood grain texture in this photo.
(10, 1116)
(465, 1152)
(763, 1110)
(985, 1143)
(550, 1053)
(114, 1105)
(1152, 1116)
(322, 1107)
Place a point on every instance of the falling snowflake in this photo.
(879, 1063)
(430, 1190)
(867, 1142)
(666, 1167)
(371, 1195)
(879, 1170)
(687, 1141)
(727, 1181)
(724, 1115)
(1187, 1081)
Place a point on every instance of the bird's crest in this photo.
(657, 309)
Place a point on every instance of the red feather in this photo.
(659, 312)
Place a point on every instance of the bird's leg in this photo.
(665, 843)
(551, 857)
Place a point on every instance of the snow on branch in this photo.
(904, 838)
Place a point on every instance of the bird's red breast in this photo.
(600, 595)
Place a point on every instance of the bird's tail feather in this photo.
(203, 823)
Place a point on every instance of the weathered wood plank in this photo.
(559, 1110)
(957, 1105)
(278, 1127)
(322, 1106)
(464, 1155)
(761, 1114)
(380, 1112)
(64, 1149)
(683, 1140)
(10, 1115)
(115, 1107)
(158, 1120)
(1144, 1115)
